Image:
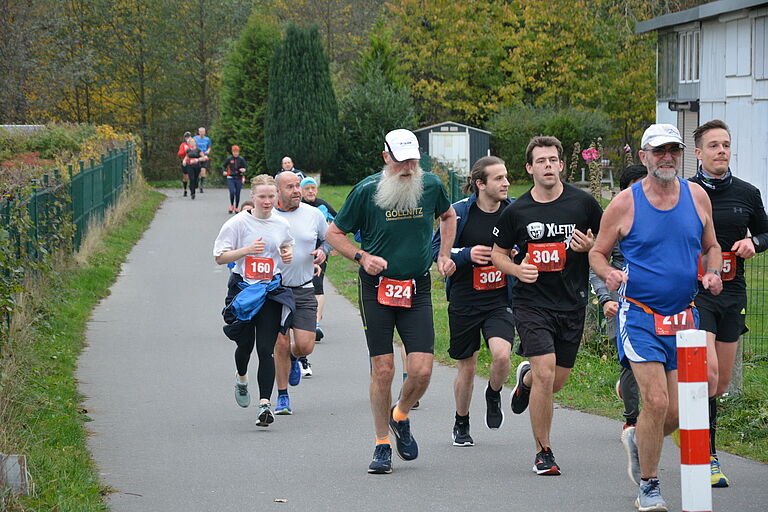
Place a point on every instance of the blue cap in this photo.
(307, 181)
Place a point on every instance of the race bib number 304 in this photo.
(729, 267)
(488, 278)
(259, 268)
(669, 325)
(395, 293)
(548, 257)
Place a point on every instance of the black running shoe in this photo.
(461, 435)
(382, 460)
(494, 416)
(407, 449)
(545, 463)
(520, 394)
(185, 192)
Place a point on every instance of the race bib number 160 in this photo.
(259, 268)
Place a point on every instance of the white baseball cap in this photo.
(402, 145)
(659, 134)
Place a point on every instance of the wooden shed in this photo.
(712, 63)
(454, 144)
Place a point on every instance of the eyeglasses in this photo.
(674, 151)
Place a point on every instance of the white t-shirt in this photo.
(307, 227)
(244, 228)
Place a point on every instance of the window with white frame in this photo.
(689, 48)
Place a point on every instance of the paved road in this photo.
(168, 436)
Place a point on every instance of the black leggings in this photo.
(194, 173)
(266, 325)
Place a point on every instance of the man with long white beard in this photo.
(395, 211)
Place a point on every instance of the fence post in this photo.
(693, 405)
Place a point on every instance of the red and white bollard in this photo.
(693, 399)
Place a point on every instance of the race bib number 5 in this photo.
(669, 325)
(548, 257)
(488, 278)
(729, 267)
(259, 268)
(395, 293)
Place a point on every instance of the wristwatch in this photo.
(713, 271)
(756, 241)
(358, 256)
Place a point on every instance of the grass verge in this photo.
(742, 420)
(40, 406)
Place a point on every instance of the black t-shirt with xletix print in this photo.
(477, 231)
(528, 221)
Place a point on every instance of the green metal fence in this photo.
(97, 187)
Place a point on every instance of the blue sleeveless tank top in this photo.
(661, 253)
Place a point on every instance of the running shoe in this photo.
(628, 425)
(242, 396)
(718, 478)
(520, 394)
(407, 449)
(185, 192)
(201, 190)
(265, 415)
(545, 463)
(676, 437)
(461, 435)
(649, 497)
(382, 460)
(494, 416)
(295, 376)
(416, 405)
(283, 405)
(319, 333)
(633, 459)
(192, 195)
(306, 368)
(231, 208)
(618, 389)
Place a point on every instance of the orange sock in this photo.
(384, 440)
(398, 415)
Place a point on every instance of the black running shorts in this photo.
(184, 169)
(414, 324)
(723, 315)
(467, 323)
(546, 331)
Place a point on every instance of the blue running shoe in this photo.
(633, 458)
(283, 405)
(295, 376)
(382, 460)
(407, 449)
(319, 334)
(649, 497)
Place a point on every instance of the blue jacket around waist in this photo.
(461, 255)
(247, 303)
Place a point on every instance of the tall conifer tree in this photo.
(302, 115)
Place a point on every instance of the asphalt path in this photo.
(166, 434)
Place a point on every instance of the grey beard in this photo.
(393, 194)
(663, 175)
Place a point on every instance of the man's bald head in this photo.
(288, 190)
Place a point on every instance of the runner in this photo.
(662, 223)
(394, 210)
(260, 244)
(309, 189)
(552, 224)
(193, 162)
(736, 208)
(234, 169)
(286, 164)
(182, 153)
(626, 386)
(204, 145)
(307, 227)
(479, 295)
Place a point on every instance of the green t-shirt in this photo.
(402, 237)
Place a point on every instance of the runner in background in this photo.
(204, 145)
(235, 168)
(193, 162)
(182, 154)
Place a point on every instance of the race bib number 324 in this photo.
(395, 293)
(259, 268)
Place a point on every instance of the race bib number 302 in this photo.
(548, 257)
(488, 278)
(259, 268)
(669, 325)
(395, 293)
